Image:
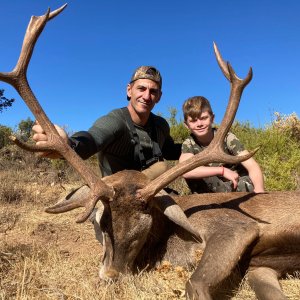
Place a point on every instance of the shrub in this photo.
(5, 132)
(278, 156)
(279, 153)
(287, 124)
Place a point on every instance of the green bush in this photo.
(278, 156)
(279, 153)
(5, 132)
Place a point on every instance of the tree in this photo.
(5, 132)
(24, 129)
(4, 102)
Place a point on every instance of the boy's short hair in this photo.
(194, 106)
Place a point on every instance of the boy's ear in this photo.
(186, 125)
(212, 118)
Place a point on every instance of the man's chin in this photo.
(144, 109)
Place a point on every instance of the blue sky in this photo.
(84, 58)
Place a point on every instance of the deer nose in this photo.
(108, 274)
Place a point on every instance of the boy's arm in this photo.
(254, 172)
(205, 171)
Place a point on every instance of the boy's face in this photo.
(201, 126)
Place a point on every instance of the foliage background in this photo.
(278, 156)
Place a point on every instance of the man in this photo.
(246, 176)
(128, 138)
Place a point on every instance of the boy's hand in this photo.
(233, 176)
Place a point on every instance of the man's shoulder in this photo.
(115, 114)
(114, 121)
(160, 121)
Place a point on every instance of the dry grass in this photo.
(46, 256)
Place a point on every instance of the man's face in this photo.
(144, 94)
(200, 126)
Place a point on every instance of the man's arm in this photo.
(83, 143)
(171, 150)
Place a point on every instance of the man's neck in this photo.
(138, 119)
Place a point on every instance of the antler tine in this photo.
(214, 152)
(222, 64)
(89, 203)
(18, 79)
(57, 12)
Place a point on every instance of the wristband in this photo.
(222, 172)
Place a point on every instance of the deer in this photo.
(257, 234)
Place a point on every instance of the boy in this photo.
(247, 176)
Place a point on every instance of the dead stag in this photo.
(257, 232)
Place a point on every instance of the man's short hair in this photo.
(194, 106)
(146, 72)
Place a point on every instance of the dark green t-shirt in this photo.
(111, 139)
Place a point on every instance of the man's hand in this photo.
(41, 139)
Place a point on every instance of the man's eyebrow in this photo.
(145, 86)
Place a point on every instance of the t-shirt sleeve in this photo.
(234, 144)
(103, 132)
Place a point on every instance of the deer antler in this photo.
(18, 79)
(214, 152)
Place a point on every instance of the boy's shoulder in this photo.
(234, 144)
(190, 146)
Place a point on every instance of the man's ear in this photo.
(128, 90)
(160, 94)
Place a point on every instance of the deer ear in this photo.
(173, 212)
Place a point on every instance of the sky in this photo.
(85, 56)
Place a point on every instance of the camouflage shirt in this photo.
(232, 146)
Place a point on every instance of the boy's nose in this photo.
(199, 123)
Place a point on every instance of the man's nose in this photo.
(147, 95)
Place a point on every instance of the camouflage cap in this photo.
(147, 72)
